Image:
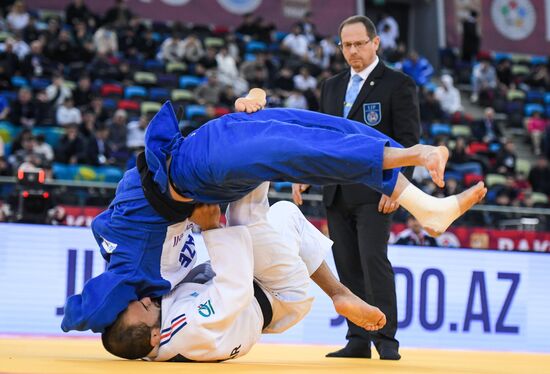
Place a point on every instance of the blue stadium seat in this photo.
(18, 81)
(96, 85)
(167, 80)
(64, 171)
(430, 86)
(7, 149)
(110, 104)
(499, 56)
(9, 95)
(532, 108)
(280, 35)
(194, 110)
(274, 47)
(440, 129)
(535, 96)
(249, 57)
(491, 195)
(135, 64)
(131, 92)
(157, 36)
(40, 83)
(52, 134)
(110, 174)
(280, 186)
(539, 60)
(547, 98)
(153, 65)
(494, 147)
(255, 46)
(514, 107)
(187, 81)
(453, 174)
(159, 94)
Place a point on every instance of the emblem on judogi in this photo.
(372, 113)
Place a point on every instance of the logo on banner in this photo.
(372, 113)
(514, 19)
(448, 239)
(296, 8)
(240, 6)
(176, 2)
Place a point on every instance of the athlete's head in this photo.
(136, 331)
(358, 42)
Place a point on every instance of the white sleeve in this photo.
(232, 260)
(250, 209)
(195, 324)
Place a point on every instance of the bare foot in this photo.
(359, 312)
(435, 159)
(471, 197)
(254, 101)
(465, 200)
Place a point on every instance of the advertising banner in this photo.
(520, 26)
(327, 14)
(447, 298)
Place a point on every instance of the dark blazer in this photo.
(92, 151)
(396, 93)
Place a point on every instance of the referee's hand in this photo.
(297, 190)
(387, 205)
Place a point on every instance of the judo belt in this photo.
(169, 209)
(265, 305)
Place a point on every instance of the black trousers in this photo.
(360, 234)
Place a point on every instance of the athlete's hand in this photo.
(297, 190)
(207, 216)
(254, 101)
(387, 205)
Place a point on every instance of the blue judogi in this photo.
(220, 162)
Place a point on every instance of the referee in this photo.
(359, 218)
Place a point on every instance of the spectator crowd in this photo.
(78, 89)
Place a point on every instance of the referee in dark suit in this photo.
(359, 218)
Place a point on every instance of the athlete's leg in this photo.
(435, 214)
(310, 119)
(230, 158)
(346, 303)
(313, 246)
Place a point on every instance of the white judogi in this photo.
(222, 319)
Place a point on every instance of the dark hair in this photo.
(371, 29)
(130, 342)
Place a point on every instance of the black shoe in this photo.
(351, 352)
(389, 353)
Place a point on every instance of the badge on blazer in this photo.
(372, 113)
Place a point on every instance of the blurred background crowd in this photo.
(77, 91)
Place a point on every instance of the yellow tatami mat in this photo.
(85, 355)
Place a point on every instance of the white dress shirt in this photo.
(363, 73)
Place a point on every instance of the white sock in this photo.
(433, 213)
